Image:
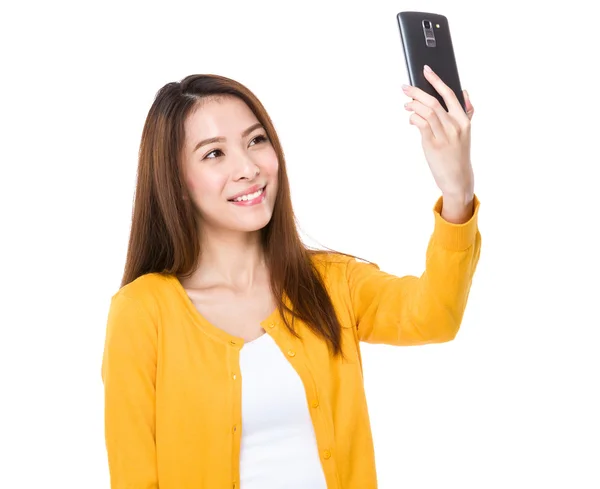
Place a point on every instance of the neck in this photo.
(234, 260)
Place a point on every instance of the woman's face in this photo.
(243, 163)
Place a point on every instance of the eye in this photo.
(213, 151)
(259, 138)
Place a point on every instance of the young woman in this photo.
(232, 353)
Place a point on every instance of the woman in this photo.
(232, 351)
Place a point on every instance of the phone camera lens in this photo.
(427, 24)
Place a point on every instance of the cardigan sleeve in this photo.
(129, 377)
(410, 310)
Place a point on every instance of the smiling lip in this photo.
(248, 191)
(254, 201)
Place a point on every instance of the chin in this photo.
(252, 225)
(248, 224)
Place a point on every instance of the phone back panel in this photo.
(438, 54)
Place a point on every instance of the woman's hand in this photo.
(446, 140)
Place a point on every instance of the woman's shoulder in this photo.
(334, 258)
(335, 265)
(331, 264)
(329, 258)
(145, 289)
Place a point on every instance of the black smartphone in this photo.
(426, 40)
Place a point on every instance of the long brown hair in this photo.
(164, 231)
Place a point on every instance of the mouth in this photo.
(251, 198)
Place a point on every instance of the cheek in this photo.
(271, 165)
(191, 184)
(205, 185)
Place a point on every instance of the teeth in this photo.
(249, 196)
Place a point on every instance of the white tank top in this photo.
(278, 446)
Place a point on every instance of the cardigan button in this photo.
(291, 353)
(315, 404)
(326, 454)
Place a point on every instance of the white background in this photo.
(512, 402)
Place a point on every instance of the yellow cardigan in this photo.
(172, 380)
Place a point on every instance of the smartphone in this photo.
(426, 40)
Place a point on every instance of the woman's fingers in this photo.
(469, 105)
(454, 108)
(429, 116)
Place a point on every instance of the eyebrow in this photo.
(221, 139)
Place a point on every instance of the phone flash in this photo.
(437, 25)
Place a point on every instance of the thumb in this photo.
(468, 104)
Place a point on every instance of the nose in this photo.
(246, 169)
